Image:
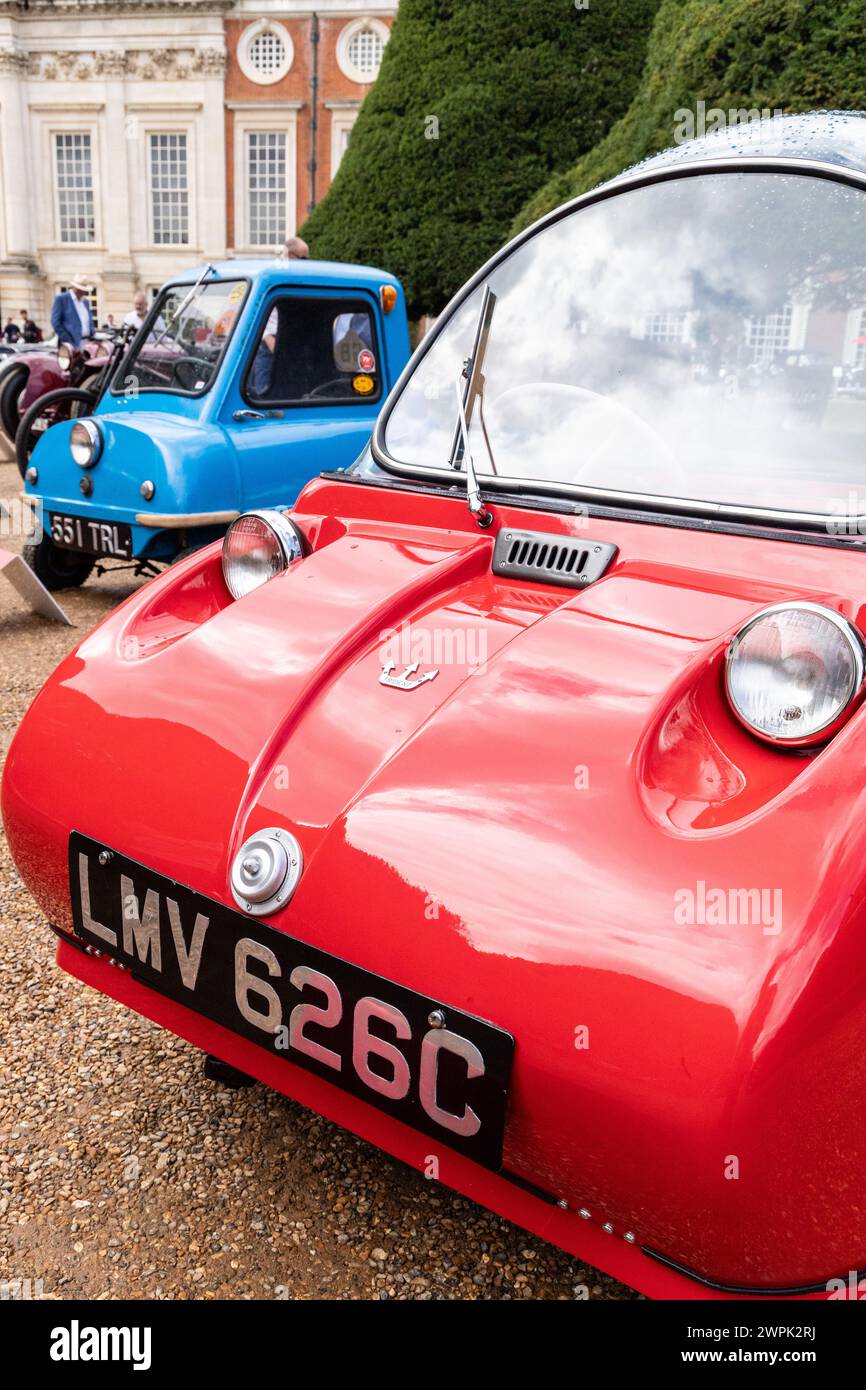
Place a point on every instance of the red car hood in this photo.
(554, 833)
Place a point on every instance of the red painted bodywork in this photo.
(549, 805)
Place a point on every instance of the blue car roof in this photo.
(264, 270)
(829, 137)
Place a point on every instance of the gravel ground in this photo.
(125, 1174)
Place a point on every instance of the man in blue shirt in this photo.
(71, 318)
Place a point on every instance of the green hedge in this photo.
(519, 88)
(791, 55)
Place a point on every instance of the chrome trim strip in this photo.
(623, 183)
(174, 521)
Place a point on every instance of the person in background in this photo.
(71, 317)
(138, 313)
(30, 331)
(11, 333)
(295, 249)
(109, 323)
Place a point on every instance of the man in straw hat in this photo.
(71, 317)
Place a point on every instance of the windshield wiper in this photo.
(185, 302)
(470, 388)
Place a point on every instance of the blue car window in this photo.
(181, 346)
(312, 350)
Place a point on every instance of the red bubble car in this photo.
(503, 800)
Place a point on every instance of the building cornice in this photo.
(61, 108)
(325, 9)
(278, 104)
(135, 64)
(60, 9)
(155, 108)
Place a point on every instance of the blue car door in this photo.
(308, 390)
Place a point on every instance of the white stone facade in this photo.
(115, 160)
(117, 75)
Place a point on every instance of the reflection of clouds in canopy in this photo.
(573, 305)
(577, 269)
(643, 445)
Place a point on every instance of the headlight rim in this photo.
(94, 434)
(284, 530)
(857, 646)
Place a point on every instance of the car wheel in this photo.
(58, 569)
(66, 403)
(13, 384)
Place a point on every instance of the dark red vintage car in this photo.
(504, 800)
(35, 372)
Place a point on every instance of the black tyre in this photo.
(58, 569)
(13, 383)
(66, 403)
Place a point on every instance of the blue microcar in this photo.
(247, 379)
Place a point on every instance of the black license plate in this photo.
(112, 539)
(432, 1066)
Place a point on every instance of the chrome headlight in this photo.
(258, 546)
(64, 357)
(85, 443)
(793, 673)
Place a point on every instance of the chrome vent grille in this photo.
(550, 559)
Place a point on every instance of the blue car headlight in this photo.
(85, 443)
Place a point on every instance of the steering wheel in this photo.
(625, 452)
(191, 372)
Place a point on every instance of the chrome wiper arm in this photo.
(470, 385)
(473, 491)
(185, 302)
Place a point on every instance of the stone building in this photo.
(138, 138)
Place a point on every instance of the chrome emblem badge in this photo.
(405, 682)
